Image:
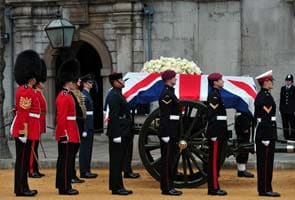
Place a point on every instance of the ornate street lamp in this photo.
(60, 33)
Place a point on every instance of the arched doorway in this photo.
(90, 63)
(87, 42)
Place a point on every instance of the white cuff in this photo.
(165, 139)
(117, 139)
(213, 139)
(265, 142)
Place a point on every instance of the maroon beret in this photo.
(214, 76)
(168, 74)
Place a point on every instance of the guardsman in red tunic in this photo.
(216, 132)
(67, 132)
(25, 127)
(33, 162)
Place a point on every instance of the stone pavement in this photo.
(101, 159)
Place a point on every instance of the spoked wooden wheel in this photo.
(190, 163)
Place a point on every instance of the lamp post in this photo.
(60, 33)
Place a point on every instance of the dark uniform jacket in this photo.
(243, 121)
(287, 100)
(169, 113)
(216, 116)
(119, 114)
(89, 108)
(265, 112)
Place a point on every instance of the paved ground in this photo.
(101, 158)
(146, 188)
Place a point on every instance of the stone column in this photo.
(122, 19)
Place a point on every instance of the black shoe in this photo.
(245, 174)
(69, 192)
(28, 193)
(88, 175)
(35, 175)
(122, 192)
(172, 192)
(77, 180)
(217, 192)
(40, 174)
(131, 175)
(270, 194)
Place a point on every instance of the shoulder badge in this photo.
(167, 99)
(25, 102)
(267, 109)
(213, 106)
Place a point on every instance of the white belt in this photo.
(71, 118)
(89, 113)
(238, 114)
(221, 118)
(174, 117)
(34, 115)
(272, 119)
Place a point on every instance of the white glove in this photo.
(165, 139)
(117, 139)
(265, 142)
(23, 139)
(213, 139)
(84, 134)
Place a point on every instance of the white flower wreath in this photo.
(179, 65)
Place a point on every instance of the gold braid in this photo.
(81, 100)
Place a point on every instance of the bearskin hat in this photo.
(43, 76)
(27, 66)
(69, 71)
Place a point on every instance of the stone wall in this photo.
(206, 32)
(268, 42)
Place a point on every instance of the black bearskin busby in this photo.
(27, 66)
(43, 76)
(69, 71)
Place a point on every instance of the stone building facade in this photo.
(236, 37)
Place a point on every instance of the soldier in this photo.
(118, 132)
(80, 107)
(39, 86)
(25, 126)
(216, 132)
(287, 108)
(168, 133)
(67, 131)
(87, 136)
(266, 134)
(243, 123)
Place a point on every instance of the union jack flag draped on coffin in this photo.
(238, 92)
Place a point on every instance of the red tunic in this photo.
(43, 108)
(66, 117)
(26, 120)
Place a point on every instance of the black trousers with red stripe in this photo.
(168, 152)
(33, 164)
(21, 167)
(214, 163)
(64, 166)
(265, 160)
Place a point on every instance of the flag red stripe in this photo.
(141, 84)
(189, 86)
(245, 87)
